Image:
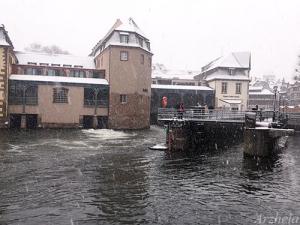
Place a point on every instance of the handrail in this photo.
(200, 114)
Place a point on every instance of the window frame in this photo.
(238, 88)
(59, 97)
(224, 87)
(123, 99)
(121, 54)
(126, 40)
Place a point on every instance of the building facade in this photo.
(110, 88)
(229, 77)
(261, 97)
(125, 54)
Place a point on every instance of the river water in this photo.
(111, 177)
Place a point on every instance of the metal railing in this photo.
(92, 103)
(198, 115)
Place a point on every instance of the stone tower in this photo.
(125, 54)
(7, 58)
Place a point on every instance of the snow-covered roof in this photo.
(56, 79)
(233, 60)
(122, 26)
(4, 39)
(24, 58)
(261, 92)
(255, 88)
(160, 71)
(181, 87)
(130, 26)
(226, 77)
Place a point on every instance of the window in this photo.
(123, 98)
(100, 100)
(142, 59)
(17, 91)
(77, 73)
(53, 72)
(98, 74)
(149, 59)
(67, 65)
(224, 87)
(238, 88)
(33, 71)
(60, 95)
(32, 63)
(148, 45)
(140, 41)
(44, 64)
(54, 64)
(231, 71)
(124, 38)
(124, 56)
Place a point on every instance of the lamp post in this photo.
(274, 105)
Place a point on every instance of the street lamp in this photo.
(274, 113)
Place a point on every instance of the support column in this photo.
(23, 121)
(95, 122)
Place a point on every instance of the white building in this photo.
(229, 77)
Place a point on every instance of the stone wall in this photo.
(3, 81)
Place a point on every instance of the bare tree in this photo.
(50, 49)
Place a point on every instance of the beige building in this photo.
(125, 54)
(229, 77)
(110, 88)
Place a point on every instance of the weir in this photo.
(196, 130)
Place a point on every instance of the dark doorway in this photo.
(87, 122)
(31, 121)
(102, 122)
(15, 121)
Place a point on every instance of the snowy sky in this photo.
(183, 34)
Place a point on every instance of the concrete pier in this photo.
(264, 141)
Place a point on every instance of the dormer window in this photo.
(124, 37)
(148, 45)
(77, 66)
(32, 63)
(54, 64)
(231, 71)
(141, 41)
(44, 64)
(67, 65)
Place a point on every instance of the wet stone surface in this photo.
(111, 177)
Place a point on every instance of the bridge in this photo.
(196, 128)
